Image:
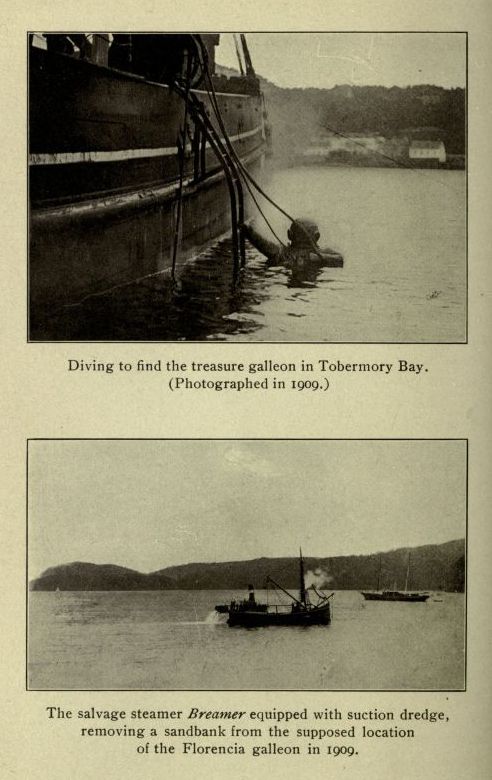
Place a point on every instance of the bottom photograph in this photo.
(246, 564)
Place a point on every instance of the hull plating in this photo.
(395, 596)
(250, 618)
(103, 168)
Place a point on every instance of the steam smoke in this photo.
(319, 578)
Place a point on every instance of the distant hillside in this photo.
(92, 576)
(424, 111)
(433, 567)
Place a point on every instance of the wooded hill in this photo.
(432, 567)
(422, 112)
(425, 111)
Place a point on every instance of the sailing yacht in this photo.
(394, 595)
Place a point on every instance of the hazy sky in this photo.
(151, 504)
(326, 59)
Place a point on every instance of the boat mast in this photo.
(250, 71)
(303, 596)
(241, 68)
(408, 572)
(302, 583)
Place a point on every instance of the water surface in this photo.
(403, 236)
(159, 640)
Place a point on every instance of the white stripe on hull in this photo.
(141, 198)
(64, 158)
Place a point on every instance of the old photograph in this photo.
(247, 187)
(230, 564)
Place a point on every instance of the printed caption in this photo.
(266, 375)
(329, 732)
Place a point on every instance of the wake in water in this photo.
(212, 619)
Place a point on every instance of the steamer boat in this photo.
(135, 146)
(250, 613)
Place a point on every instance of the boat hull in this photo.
(395, 596)
(104, 177)
(256, 619)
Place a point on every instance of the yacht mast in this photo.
(408, 572)
(302, 583)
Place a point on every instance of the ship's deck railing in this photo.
(279, 608)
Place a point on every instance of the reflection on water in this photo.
(158, 640)
(401, 232)
(208, 301)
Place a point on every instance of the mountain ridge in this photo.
(432, 567)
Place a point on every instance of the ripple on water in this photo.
(404, 277)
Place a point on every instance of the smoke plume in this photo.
(319, 578)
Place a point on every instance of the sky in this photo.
(327, 59)
(156, 503)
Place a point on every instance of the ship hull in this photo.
(395, 596)
(257, 619)
(104, 176)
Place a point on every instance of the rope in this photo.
(210, 134)
(235, 164)
(242, 170)
(237, 216)
(181, 173)
(235, 161)
(399, 164)
(246, 173)
(239, 162)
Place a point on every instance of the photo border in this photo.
(463, 342)
(462, 690)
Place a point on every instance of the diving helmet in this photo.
(303, 232)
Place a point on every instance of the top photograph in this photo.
(247, 187)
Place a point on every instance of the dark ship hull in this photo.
(394, 595)
(251, 618)
(105, 170)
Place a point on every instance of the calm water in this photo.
(402, 234)
(174, 640)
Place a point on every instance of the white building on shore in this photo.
(432, 151)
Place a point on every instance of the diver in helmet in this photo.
(302, 250)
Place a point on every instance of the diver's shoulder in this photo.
(328, 257)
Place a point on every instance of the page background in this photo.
(40, 399)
